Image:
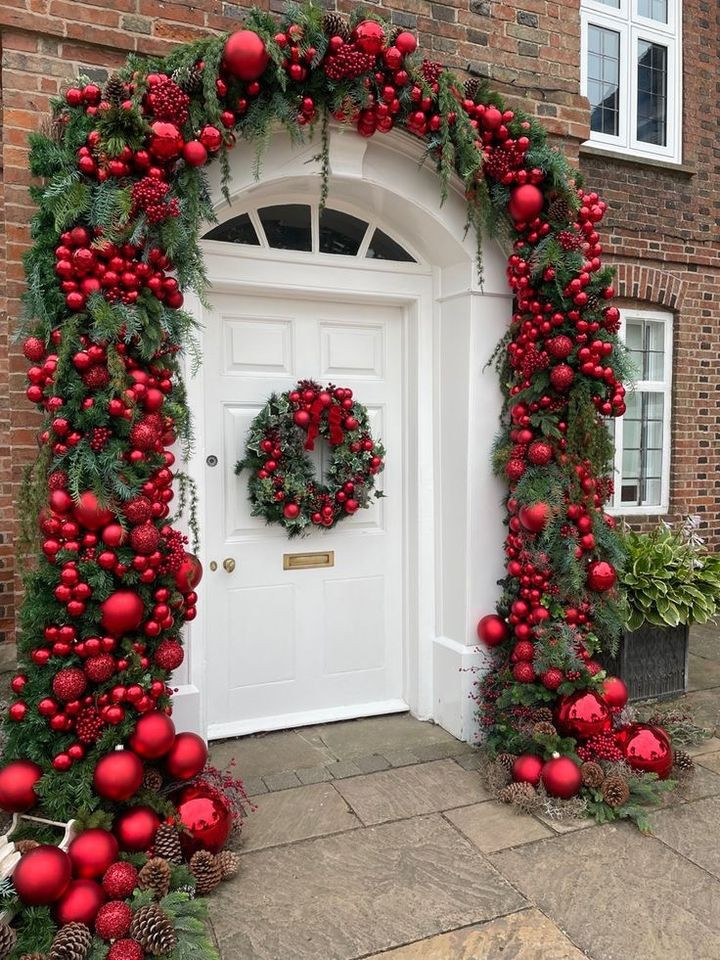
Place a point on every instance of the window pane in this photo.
(287, 227)
(383, 247)
(604, 80)
(642, 454)
(652, 9)
(652, 93)
(645, 339)
(611, 3)
(631, 434)
(237, 230)
(340, 233)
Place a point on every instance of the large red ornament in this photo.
(92, 852)
(42, 876)
(17, 786)
(526, 202)
(492, 630)
(527, 768)
(80, 903)
(615, 692)
(187, 757)
(189, 574)
(245, 55)
(135, 828)
(561, 777)
(118, 775)
(153, 735)
(205, 813)
(601, 576)
(88, 512)
(535, 517)
(583, 714)
(166, 141)
(646, 748)
(122, 612)
(369, 37)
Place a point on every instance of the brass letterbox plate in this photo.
(305, 561)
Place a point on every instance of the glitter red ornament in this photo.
(113, 920)
(119, 880)
(582, 714)
(561, 777)
(42, 875)
(169, 655)
(92, 852)
(126, 949)
(69, 684)
(17, 786)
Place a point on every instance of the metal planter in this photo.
(653, 661)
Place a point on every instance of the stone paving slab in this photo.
(373, 735)
(270, 753)
(527, 935)
(711, 745)
(347, 896)
(494, 826)
(297, 814)
(703, 674)
(410, 791)
(620, 895)
(703, 783)
(709, 760)
(692, 830)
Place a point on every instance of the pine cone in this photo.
(544, 729)
(155, 876)
(615, 791)
(32, 956)
(542, 715)
(335, 26)
(206, 870)
(559, 210)
(683, 763)
(592, 775)
(114, 90)
(71, 942)
(229, 863)
(152, 779)
(24, 846)
(188, 79)
(7, 940)
(521, 795)
(472, 87)
(153, 930)
(506, 760)
(167, 843)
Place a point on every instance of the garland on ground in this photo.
(282, 485)
(115, 243)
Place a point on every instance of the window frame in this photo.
(664, 386)
(632, 28)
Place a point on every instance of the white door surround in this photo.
(452, 545)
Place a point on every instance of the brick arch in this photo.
(637, 282)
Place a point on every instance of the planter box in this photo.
(653, 661)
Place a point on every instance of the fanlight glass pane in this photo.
(287, 226)
(237, 230)
(383, 247)
(340, 233)
(653, 9)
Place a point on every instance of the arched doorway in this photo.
(378, 293)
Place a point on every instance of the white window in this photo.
(642, 436)
(631, 73)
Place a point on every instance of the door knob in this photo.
(229, 564)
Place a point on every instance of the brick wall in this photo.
(529, 49)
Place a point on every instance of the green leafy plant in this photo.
(669, 577)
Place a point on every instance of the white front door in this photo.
(290, 647)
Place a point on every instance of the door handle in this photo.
(229, 564)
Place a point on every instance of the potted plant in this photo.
(670, 580)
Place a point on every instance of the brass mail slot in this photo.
(304, 561)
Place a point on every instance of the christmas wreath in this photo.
(282, 484)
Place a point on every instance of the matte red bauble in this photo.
(187, 757)
(369, 36)
(17, 786)
(80, 903)
(42, 876)
(534, 517)
(189, 573)
(205, 813)
(118, 775)
(406, 42)
(615, 692)
(527, 768)
(135, 828)
(582, 714)
(88, 512)
(601, 575)
(561, 777)
(245, 56)
(195, 155)
(153, 735)
(166, 142)
(646, 748)
(122, 612)
(92, 852)
(526, 202)
(492, 630)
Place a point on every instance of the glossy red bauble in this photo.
(369, 37)
(166, 141)
(88, 512)
(526, 202)
(492, 630)
(535, 517)
(245, 55)
(92, 852)
(80, 903)
(601, 576)
(561, 777)
(206, 815)
(195, 155)
(153, 735)
(406, 42)
(646, 748)
(118, 775)
(189, 573)
(582, 714)
(17, 786)
(187, 757)
(527, 768)
(42, 875)
(122, 612)
(135, 828)
(615, 692)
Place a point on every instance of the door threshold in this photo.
(287, 721)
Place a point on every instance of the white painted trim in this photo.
(286, 721)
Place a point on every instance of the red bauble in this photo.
(406, 42)
(187, 757)
(646, 748)
(583, 714)
(194, 153)
(88, 512)
(42, 876)
(113, 920)
(92, 852)
(523, 672)
(527, 768)
(166, 141)
(540, 453)
(369, 37)
(122, 612)
(144, 538)
(189, 574)
(69, 684)
(492, 630)
(526, 202)
(118, 775)
(153, 735)
(100, 668)
(615, 692)
(561, 377)
(17, 786)
(535, 517)
(245, 55)
(601, 576)
(559, 347)
(80, 903)
(205, 813)
(120, 880)
(136, 828)
(561, 777)
(169, 655)
(126, 949)
(552, 678)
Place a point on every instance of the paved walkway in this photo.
(376, 839)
